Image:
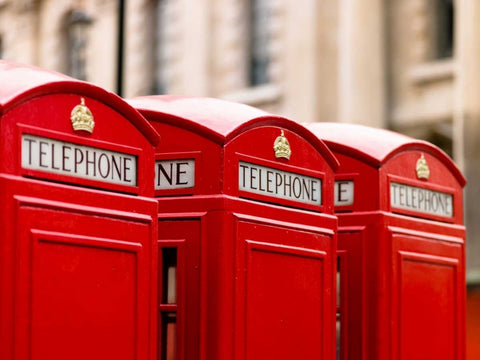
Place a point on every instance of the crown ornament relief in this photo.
(82, 118)
(282, 147)
(423, 172)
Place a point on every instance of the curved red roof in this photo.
(218, 117)
(375, 146)
(20, 83)
(218, 120)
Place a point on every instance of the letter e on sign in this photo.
(174, 174)
(343, 192)
(280, 184)
(87, 162)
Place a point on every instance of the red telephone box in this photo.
(401, 246)
(77, 220)
(246, 233)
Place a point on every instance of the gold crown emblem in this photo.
(423, 172)
(282, 147)
(82, 118)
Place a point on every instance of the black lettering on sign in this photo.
(270, 181)
(182, 168)
(91, 159)
(54, 156)
(53, 159)
(29, 150)
(174, 174)
(280, 184)
(104, 166)
(66, 158)
(343, 194)
(422, 200)
(42, 152)
(127, 167)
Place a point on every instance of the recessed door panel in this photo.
(428, 306)
(428, 300)
(284, 303)
(288, 302)
(351, 269)
(81, 281)
(83, 288)
(179, 289)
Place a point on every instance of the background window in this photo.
(441, 135)
(259, 40)
(445, 29)
(77, 23)
(161, 21)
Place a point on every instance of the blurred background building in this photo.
(408, 65)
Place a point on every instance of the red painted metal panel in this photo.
(112, 133)
(208, 116)
(202, 162)
(276, 326)
(79, 270)
(402, 245)
(428, 296)
(401, 170)
(473, 323)
(304, 160)
(75, 262)
(184, 236)
(283, 276)
(218, 120)
(221, 272)
(21, 83)
(353, 332)
(82, 290)
(427, 282)
(376, 146)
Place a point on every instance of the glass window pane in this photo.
(77, 28)
(338, 281)
(169, 277)
(162, 10)
(169, 336)
(172, 285)
(259, 39)
(445, 26)
(339, 331)
(339, 318)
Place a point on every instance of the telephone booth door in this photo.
(401, 246)
(245, 211)
(77, 220)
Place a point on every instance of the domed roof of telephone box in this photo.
(376, 146)
(20, 83)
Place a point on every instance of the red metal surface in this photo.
(75, 272)
(266, 264)
(473, 323)
(376, 146)
(284, 292)
(78, 248)
(402, 268)
(21, 83)
(218, 120)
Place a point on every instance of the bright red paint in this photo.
(86, 265)
(76, 254)
(402, 271)
(260, 280)
(473, 323)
